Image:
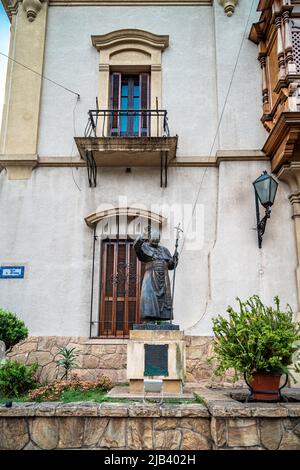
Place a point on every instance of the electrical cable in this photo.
(40, 75)
(74, 130)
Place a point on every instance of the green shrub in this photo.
(257, 338)
(16, 378)
(67, 360)
(12, 330)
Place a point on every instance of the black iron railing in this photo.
(127, 123)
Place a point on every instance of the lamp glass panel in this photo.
(262, 187)
(273, 189)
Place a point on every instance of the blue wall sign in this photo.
(12, 272)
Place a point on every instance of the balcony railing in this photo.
(127, 123)
(127, 138)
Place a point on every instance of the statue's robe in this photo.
(156, 302)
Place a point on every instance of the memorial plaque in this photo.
(156, 359)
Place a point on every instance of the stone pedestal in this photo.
(157, 352)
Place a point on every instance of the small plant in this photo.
(258, 338)
(12, 330)
(55, 391)
(16, 378)
(104, 382)
(68, 360)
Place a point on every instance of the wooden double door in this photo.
(121, 278)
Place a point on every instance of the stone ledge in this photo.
(188, 411)
(113, 410)
(227, 409)
(220, 405)
(116, 410)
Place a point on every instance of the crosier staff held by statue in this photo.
(175, 256)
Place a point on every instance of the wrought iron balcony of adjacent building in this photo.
(127, 138)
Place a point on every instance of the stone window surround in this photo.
(93, 219)
(129, 51)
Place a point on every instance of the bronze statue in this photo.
(156, 299)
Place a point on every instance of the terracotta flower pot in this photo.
(265, 381)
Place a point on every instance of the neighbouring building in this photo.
(119, 114)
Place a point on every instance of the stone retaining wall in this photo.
(108, 356)
(257, 425)
(105, 426)
(222, 424)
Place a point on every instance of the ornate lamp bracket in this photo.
(261, 224)
(229, 6)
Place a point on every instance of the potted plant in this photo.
(258, 341)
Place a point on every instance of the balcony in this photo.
(127, 138)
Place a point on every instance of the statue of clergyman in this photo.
(156, 300)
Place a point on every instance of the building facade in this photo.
(154, 118)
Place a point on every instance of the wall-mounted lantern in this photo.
(265, 191)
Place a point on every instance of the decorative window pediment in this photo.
(128, 212)
(117, 39)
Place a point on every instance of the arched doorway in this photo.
(120, 273)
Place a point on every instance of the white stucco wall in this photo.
(45, 229)
(196, 73)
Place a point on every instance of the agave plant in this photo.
(67, 360)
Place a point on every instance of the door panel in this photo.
(120, 288)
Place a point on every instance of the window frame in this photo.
(115, 100)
